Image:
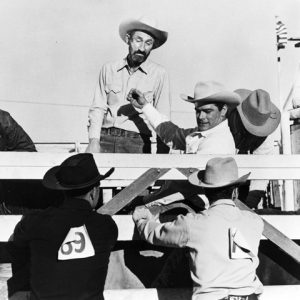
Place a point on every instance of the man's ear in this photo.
(127, 38)
(224, 110)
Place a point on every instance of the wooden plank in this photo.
(15, 165)
(288, 224)
(123, 160)
(274, 292)
(270, 232)
(278, 292)
(133, 190)
(276, 236)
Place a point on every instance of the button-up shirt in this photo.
(110, 107)
(216, 270)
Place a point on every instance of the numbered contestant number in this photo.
(77, 244)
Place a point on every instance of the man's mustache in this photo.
(140, 52)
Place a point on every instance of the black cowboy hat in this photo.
(76, 172)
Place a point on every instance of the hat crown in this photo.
(78, 170)
(148, 20)
(205, 89)
(220, 171)
(257, 107)
(146, 24)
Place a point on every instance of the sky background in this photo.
(51, 52)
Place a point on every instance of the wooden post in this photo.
(288, 199)
(295, 140)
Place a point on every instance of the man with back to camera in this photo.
(222, 241)
(114, 125)
(70, 245)
(251, 125)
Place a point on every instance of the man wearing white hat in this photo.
(114, 125)
(251, 124)
(222, 241)
(212, 135)
(212, 102)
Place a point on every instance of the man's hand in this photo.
(141, 212)
(136, 98)
(93, 146)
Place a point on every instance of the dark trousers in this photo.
(115, 140)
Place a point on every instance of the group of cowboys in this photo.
(69, 246)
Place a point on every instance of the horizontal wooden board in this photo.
(16, 165)
(288, 224)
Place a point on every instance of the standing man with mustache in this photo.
(114, 125)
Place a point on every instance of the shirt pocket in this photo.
(113, 93)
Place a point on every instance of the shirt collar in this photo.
(223, 202)
(220, 126)
(144, 67)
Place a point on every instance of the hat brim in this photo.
(50, 180)
(262, 130)
(195, 180)
(230, 98)
(160, 36)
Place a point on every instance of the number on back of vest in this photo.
(77, 244)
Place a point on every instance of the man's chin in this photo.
(203, 127)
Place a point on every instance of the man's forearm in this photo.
(153, 115)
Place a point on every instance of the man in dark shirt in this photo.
(252, 124)
(70, 245)
(12, 135)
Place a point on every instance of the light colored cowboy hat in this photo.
(258, 114)
(211, 91)
(76, 172)
(219, 172)
(145, 24)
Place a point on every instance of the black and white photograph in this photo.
(102, 103)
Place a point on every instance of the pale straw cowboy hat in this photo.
(219, 172)
(206, 92)
(145, 24)
(258, 114)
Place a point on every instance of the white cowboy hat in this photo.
(211, 91)
(258, 114)
(219, 172)
(145, 24)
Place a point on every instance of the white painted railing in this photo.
(128, 168)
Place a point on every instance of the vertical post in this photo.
(287, 202)
(288, 199)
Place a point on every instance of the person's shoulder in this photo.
(113, 64)
(103, 218)
(252, 217)
(4, 114)
(153, 65)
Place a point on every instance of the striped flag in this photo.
(281, 34)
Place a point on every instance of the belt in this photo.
(235, 297)
(114, 131)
